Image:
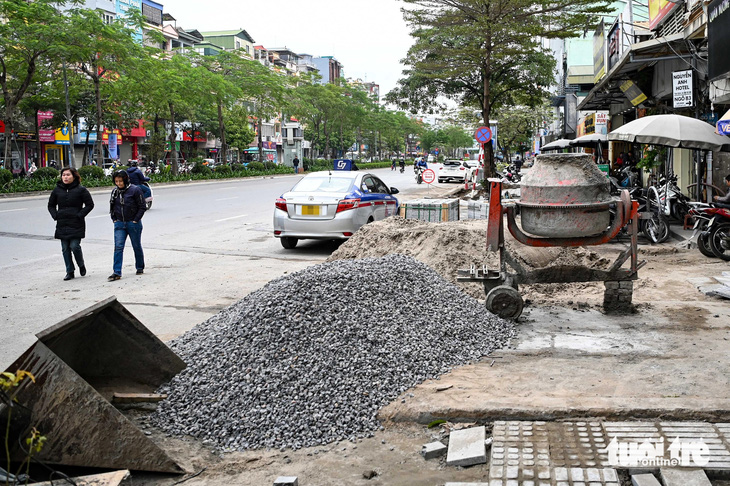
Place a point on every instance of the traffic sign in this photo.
(428, 176)
(483, 134)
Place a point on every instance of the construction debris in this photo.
(466, 447)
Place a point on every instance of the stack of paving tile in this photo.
(718, 286)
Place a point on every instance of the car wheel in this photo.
(289, 242)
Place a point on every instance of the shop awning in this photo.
(638, 57)
(256, 149)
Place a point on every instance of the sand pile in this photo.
(450, 246)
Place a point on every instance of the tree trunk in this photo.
(38, 139)
(261, 139)
(99, 146)
(173, 136)
(222, 129)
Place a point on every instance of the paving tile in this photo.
(577, 444)
(466, 447)
(644, 480)
(684, 477)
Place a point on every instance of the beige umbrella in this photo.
(672, 131)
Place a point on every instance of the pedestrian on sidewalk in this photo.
(126, 207)
(296, 164)
(69, 204)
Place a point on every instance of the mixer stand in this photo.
(501, 285)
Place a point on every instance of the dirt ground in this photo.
(566, 351)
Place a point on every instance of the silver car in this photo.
(331, 205)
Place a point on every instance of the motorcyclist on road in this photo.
(421, 163)
(137, 178)
(402, 165)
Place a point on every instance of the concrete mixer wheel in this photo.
(505, 302)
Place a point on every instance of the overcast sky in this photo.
(369, 37)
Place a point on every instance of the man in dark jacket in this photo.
(137, 178)
(126, 207)
(69, 204)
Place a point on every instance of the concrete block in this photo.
(466, 484)
(466, 447)
(644, 480)
(674, 476)
(286, 481)
(432, 450)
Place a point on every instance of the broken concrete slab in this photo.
(466, 447)
(105, 479)
(433, 450)
(286, 481)
(644, 480)
(78, 364)
(672, 476)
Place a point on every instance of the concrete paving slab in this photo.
(684, 477)
(286, 481)
(433, 450)
(644, 480)
(466, 447)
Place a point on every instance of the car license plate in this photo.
(310, 211)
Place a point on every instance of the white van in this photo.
(431, 158)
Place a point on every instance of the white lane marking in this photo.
(9, 210)
(232, 217)
(227, 198)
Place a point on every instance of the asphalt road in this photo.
(206, 245)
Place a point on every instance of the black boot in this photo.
(69, 276)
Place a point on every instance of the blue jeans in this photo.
(69, 246)
(121, 230)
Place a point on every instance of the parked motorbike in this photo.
(625, 178)
(718, 231)
(674, 204)
(702, 214)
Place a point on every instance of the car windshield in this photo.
(452, 162)
(323, 184)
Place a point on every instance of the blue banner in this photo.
(113, 154)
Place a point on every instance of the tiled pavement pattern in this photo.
(716, 437)
(574, 453)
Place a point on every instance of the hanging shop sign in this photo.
(63, 135)
(45, 134)
(632, 92)
(658, 11)
(682, 89)
(599, 53)
(718, 38)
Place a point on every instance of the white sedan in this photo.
(331, 205)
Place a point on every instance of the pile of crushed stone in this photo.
(311, 357)
(450, 246)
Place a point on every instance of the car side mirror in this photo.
(394, 190)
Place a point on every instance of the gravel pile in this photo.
(310, 358)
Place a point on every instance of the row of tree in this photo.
(113, 79)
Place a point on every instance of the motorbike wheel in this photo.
(656, 229)
(703, 244)
(720, 241)
(149, 205)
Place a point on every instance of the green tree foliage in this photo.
(486, 53)
(101, 53)
(517, 124)
(30, 40)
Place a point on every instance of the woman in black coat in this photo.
(69, 204)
